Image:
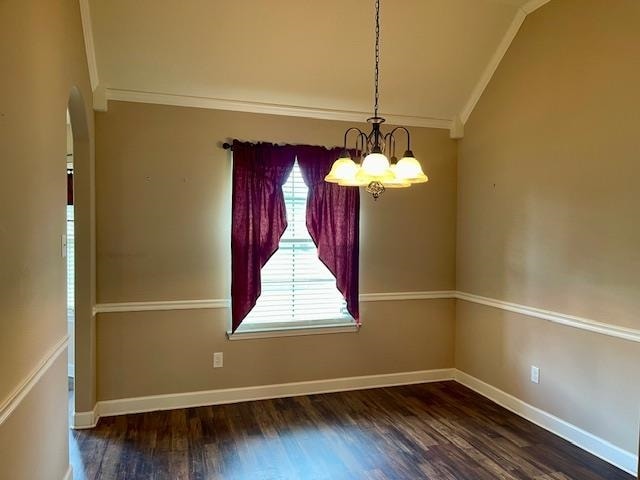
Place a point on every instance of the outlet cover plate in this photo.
(218, 360)
(535, 374)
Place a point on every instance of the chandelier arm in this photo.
(392, 143)
(363, 145)
(406, 131)
(347, 133)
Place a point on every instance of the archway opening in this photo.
(71, 268)
(80, 261)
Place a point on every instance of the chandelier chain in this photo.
(377, 69)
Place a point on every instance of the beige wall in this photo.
(163, 210)
(586, 379)
(150, 353)
(34, 439)
(547, 215)
(41, 58)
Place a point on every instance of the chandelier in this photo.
(376, 172)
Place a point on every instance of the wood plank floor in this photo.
(431, 431)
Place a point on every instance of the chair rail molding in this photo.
(556, 317)
(581, 323)
(68, 474)
(12, 402)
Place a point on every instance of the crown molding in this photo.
(455, 126)
(498, 55)
(269, 108)
(492, 66)
(533, 5)
(89, 45)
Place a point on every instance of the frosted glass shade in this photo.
(396, 182)
(352, 181)
(342, 169)
(366, 178)
(375, 164)
(409, 169)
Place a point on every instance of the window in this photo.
(71, 298)
(297, 288)
(71, 295)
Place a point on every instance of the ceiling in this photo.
(302, 55)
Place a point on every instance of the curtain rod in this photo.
(229, 146)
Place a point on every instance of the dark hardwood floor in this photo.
(431, 431)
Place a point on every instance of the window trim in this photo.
(336, 326)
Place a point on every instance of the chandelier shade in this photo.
(375, 171)
(342, 169)
(375, 163)
(409, 169)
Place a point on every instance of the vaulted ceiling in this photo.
(303, 57)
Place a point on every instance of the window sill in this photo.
(293, 331)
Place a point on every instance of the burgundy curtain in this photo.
(258, 218)
(69, 187)
(333, 221)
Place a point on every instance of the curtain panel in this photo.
(69, 187)
(259, 219)
(333, 221)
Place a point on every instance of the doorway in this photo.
(71, 268)
(80, 260)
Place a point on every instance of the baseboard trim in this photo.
(9, 405)
(234, 395)
(84, 420)
(68, 474)
(597, 446)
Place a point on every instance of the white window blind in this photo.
(71, 255)
(297, 288)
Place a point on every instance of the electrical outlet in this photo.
(535, 374)
(217, 360)
(63, 245)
